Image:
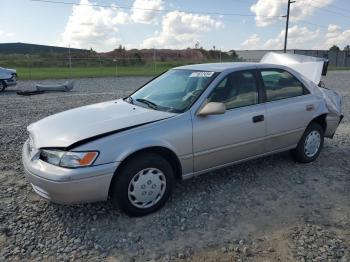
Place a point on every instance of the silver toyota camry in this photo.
(185, 122)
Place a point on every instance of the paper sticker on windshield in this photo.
(201, 74)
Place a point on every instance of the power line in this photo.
(310, 23)
(335, 7)
(156, 10)
(170, 10)
(324, 9)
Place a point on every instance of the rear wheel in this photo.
(143, 184)
(310, 145)
(2, 85)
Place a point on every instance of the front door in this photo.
(238, 133)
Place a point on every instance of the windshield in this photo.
(174, 91)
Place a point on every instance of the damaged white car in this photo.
(185, 122)
(8, 77)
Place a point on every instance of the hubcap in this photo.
(312, 143)
(147, 187)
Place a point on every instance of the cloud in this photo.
(180, 30)
(264, 9)
(252, 42)
(4, 34)
(93, 27)
(141, 12)
(297, 38)
(335, 36)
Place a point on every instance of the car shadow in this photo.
(218, 199)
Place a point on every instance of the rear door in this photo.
(237, 134)
(289, 108)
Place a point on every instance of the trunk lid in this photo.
(310, 67)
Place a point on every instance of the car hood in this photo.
(75, 125)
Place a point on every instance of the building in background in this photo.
(336, 58)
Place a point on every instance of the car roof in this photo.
(219, 67)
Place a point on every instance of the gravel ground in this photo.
(270, 209)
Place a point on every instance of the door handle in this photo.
(310, 107)
(258, 118)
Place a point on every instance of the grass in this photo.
(39, 73)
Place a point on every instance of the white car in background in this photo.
(8, 77)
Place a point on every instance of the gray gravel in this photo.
(267, 209)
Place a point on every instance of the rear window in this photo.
(280, 84)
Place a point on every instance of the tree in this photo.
(347, 48)
(233, 54)
(334, 48)
(197, 45)
(92, 51)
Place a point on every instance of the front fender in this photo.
(141, 145)
(174, 134)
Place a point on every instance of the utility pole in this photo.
(70, 62)
(287, 25)
(154, 61)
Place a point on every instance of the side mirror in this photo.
(212, 108)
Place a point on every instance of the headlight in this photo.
(68, 159)
(51, 156)
(78, 159)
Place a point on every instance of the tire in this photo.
(2, 85)
(146, 179)
(310, 144)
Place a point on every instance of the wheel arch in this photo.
(162, 151)
(321, 120)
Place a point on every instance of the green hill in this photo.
(24, 48)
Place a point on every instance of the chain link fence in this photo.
(85, 65)
(58, 66)
(337, 59)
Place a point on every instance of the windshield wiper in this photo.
(147, 102)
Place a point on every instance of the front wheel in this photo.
(310, 145)
(143, 184)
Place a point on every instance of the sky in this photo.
(177, 24)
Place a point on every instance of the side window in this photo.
(236, 90)
(280, 84)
